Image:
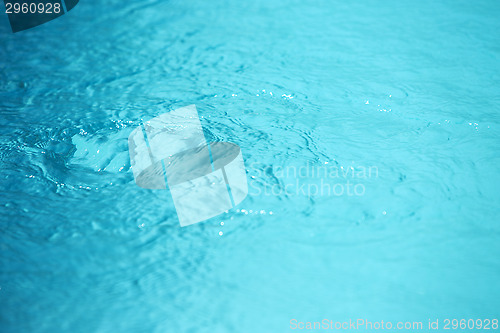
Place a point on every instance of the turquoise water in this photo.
(409, 89)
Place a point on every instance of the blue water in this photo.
(409, 88)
